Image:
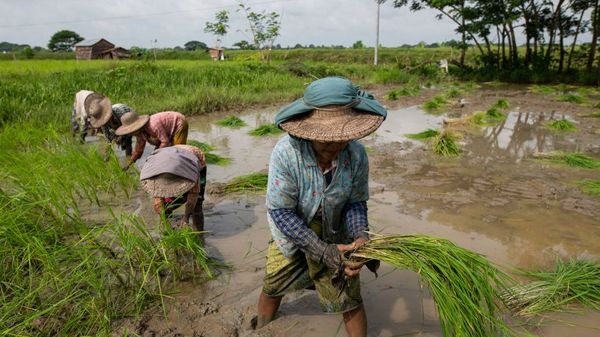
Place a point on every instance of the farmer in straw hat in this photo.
(175, 176)
(316, 199)
(93, 111)
(161, 129)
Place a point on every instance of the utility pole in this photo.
(379, 2)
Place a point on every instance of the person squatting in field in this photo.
(161, 129)
(176, 176)
(93, 111)
(317, 200)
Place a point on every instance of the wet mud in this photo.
(495, 199)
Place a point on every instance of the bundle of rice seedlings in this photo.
(209, 157)
(542, 89)
(562, 125)
(595, 114)
(590, 186)
(392, 95)
(576, 159)
(501, 104)
(465, 287)
(266, 129)
(435, 103)
(253, 182)
(429, 133)
(444, 144)
(454, 93)
(412, 90)
(231, 122)
(553, 290)
(571, 98)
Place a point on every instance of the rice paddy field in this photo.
(504, 178)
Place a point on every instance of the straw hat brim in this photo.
(133, 127)
(166, 185)
(105, 109)
(333, 125)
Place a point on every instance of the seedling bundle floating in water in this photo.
(562, 125)
(231, 122)
(265, 130)
(466, 288)
(253, 182)
(210, 157)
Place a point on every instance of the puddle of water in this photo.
(405, 121)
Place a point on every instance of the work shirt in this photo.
(297, 186)
(159, 131)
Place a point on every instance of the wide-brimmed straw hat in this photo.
(131, 122)
(332, 109)
(166, 185)
(98, 108)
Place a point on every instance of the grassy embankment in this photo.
(62, 273)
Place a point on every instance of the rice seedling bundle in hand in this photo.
(465, 286)
(575, 281)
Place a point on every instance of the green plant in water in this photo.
(465, 287)
(501, 104)
(553, 290)
(435, 103)
(204, 147)
(571, 98)
(209, 157)
(429, 133)
(444, 144)
(562, 125)
(454, 93)
(581, 160)
(590, 186)
(253, 182)
(231, 122)
(595, 114)
(542, 89)
(265, 130)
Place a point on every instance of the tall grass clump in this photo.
(465, 287)
(562, 125)
(571, 282)
(445, 144)
(591, 187)
(209, 157)
(429, 133)
(253, 182)
(231, 122)
(265, 130)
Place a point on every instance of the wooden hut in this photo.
(99, 49)
(216, 54)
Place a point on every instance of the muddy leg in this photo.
(198, 216)
(356, 322)
(267, 307)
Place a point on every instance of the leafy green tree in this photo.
(264, 27)
(358, 45)
(27, 53)
(64, 40)
(219, 27)
(244, 45)
(195, 45)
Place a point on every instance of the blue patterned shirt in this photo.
(297, 188)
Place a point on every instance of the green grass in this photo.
(253, 182)
(436, 103)
(453, 93)
(581, 160)
(429, 133)
(445, 145)
(265, 130)
(571, 282)
(542, 89)
(231, 122)
(562, 125)
(571, 98)
(591, 187)
(465, 287)
(209, 157)
(501, 104)
(393, 95)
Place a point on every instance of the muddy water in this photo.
(494, 199)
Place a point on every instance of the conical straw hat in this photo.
(99, 109)
(131, 122)
(166, 185)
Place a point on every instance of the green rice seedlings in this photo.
(445, 144)
(595, 114)
(454, 93)
(409, 90)
(429, 133)
(575, 281)
(571, 98)
(466, 288)
(562, 125)
(435, 103)
(581, 160)
(591, 187)
(204, 147)
(393, 95)
(265, 130)
(253, 182)
(501, 104)
(231, 122)
(542, 89)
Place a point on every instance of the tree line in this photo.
(492, 26)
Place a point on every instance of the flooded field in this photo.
(495, 199)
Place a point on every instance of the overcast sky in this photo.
(172, 23)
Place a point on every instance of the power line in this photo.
(135, 16)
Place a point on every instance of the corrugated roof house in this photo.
(99, 49)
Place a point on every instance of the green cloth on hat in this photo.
(330, 91)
